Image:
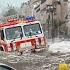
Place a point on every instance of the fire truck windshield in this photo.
(13, 32)
(32, 29)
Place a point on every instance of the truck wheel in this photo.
(1, 49)
(33, 49)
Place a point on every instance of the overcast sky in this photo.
(16, 3)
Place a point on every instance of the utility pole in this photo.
(52, 25)
(51, 11)
(48, 24)
(58, 4)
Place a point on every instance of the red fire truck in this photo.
(22, 34)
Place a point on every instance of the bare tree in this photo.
(11, 11)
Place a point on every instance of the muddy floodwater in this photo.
(43, 60)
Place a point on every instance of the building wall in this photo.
(64, 8)
(68, 19)
(28, 9)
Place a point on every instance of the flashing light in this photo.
(30, 18)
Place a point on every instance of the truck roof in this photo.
(14, 22)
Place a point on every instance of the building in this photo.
(68, 19)
(38, 8)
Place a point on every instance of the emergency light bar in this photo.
(11, 20)
(30, 18)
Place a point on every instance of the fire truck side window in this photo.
(2, 34)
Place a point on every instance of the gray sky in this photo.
(16, 3)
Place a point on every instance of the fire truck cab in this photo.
(22, 34)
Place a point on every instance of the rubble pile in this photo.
(37, 61)
(43, 60)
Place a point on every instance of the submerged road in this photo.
(35, 61)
